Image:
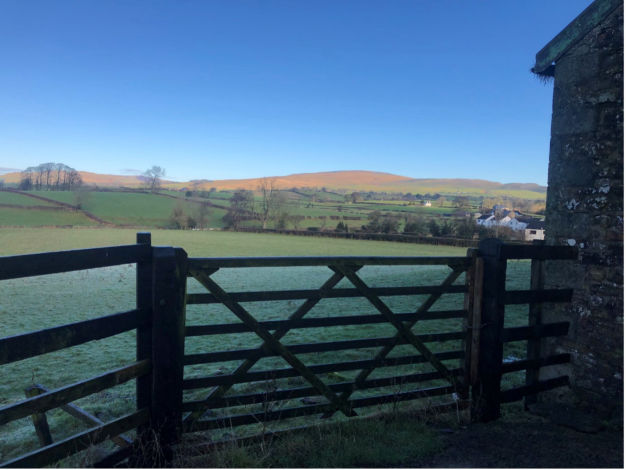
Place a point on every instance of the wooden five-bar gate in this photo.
(170, 402)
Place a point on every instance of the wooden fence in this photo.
(473, 381)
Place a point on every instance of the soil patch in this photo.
(528, 441)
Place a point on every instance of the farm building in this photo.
(585, 200)
(535, 230)
(504, 217)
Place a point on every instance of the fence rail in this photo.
(38, 264)
(460, 366)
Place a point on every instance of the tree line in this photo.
(268, 208)
(51, 177)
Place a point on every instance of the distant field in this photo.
(209, 243)
(123, 208)
(21, 200)
(10, 216)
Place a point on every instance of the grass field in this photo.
(21, 200)
(10, 216)
(44, 301)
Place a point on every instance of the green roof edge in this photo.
(591, 17)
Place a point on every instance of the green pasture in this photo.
(17, 217)
(120, 208)
(209, 243)
(7, 197)
(44, 301)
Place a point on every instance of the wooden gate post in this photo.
(486, 390)
(533, 348)
(168, 344)
(144, 332)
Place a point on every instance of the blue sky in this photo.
(242, 89)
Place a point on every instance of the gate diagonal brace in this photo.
(382, 354)
(389, 315)
(273, 343)
(246, 365)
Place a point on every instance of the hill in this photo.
(357, 180)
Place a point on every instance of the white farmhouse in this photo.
(487, 220)
(535, 230)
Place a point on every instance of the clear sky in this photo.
(242, 89)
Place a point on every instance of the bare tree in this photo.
(154, 176)
(271, 200)
(81, 197)
(241, 207)
(178, 218)
(27, 183)
(202, 215)
(48, 168)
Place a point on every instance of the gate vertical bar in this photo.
(468, 306)
(486, 391)
(144, 332)
(534, 319)
(168, 340)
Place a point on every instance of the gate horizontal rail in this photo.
(257, 376)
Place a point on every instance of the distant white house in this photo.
(487, 220)
(503, 217)
(427, 204)
(535, 230)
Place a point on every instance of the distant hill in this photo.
(357, 180)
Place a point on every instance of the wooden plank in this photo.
(476, 320)
(202, 264)
(264, 296)
(275, 345)
(55, 398)
(229, 328)
(54, 452)
(245, 366)
(486, 391)
(535, 363)
(253, 418)
(535, 317)
(224, 356)
(23, 346)
(38, 264)
(521, 333)
(299, 392)
(40, 422)
(256, 376)
(516, 394)
(143, 294)
(541, 252)
(516, 297)
(168, 343)
(468, 307)
(88, 418)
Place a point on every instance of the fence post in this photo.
(486, 390)
(471, 328)
(168, 344)
(39, 418)
(533, 350)
(144, 332)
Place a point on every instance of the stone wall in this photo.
(585, 209)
